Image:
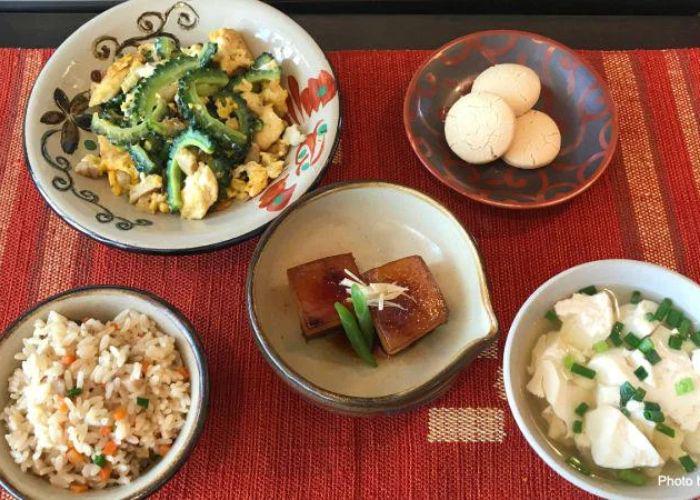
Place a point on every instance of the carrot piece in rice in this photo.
(119, 413)
(110, 448)
(74, 457)
(163, 449)
(105, 473)
(78, 488)
(105, 430)
(67, 360)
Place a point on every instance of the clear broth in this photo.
(537, 405)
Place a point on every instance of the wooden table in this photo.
(357, 25)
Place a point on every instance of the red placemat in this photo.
(261, 439)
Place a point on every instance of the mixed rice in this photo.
(95, 404)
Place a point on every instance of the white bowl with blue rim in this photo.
(89, 206)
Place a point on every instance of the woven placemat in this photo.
(261, 439)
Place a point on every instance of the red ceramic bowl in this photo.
(573, 94)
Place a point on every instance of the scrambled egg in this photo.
(265, 159)
(251, 178)
(225, 107)
(232, 52)
(272, 164)
(273, 93)
(116, 160)
(200, 192)
(111, 82)
(154, 202)
(193, 50)
(253, 100)
(273, 127)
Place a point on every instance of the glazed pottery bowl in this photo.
(621, 276)
(104, 303)
(55, 142)
(573, 94)
(378, 223)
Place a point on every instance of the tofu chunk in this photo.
(616, 443)
(585, 319)
(316, 288)
(633, 316)
(422, 310)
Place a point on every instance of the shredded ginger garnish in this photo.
(378, 295)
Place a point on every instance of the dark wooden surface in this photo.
(629, 7)
(418, 31)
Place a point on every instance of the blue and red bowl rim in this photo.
(477, 196)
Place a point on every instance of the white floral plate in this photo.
(56, 121)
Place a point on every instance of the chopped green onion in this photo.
(577, 427)
(641, 373)
(654, 415)
(99, 460)
(354, 334)
(663, 309)
(646, 345)
(648, 405)
(552, 316)
(364, 317)
(615, 334)
(632, 476)
(652, 356)
(576, 464)
(632, 340)
(569, 361)
(639, 394)
(685, 328)
(674, 318)
(675, 342)
(684, 386)
(636, 297)
(589, 290)
(142, 402)
(601, 346)
(627, 392)
(665, 429)
(581, 409)
(75, 391)
(584, 371)
(625, 412)
(687, 463)
(649, 317)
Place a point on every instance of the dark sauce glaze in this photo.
(316, 287)
(423, 310)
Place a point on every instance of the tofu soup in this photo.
(614, 380)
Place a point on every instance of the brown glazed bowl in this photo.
(573, 94)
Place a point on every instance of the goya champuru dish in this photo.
(190, 129)
(618, 386)
(94, 404)
(399, 302)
